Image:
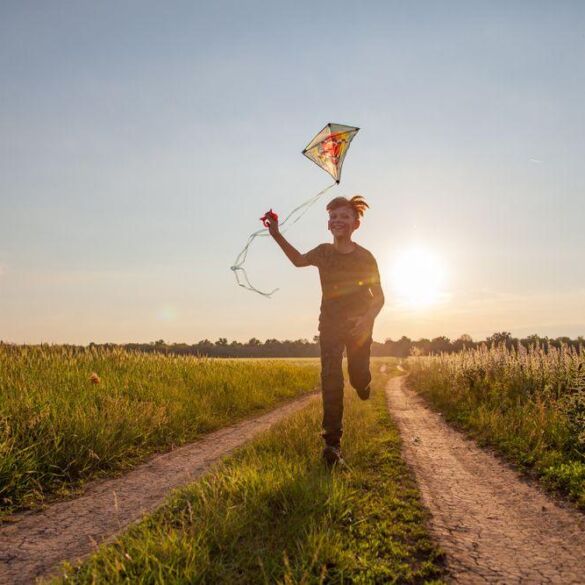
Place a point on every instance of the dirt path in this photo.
(37, 542)
(494, 526)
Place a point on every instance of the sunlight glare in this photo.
(417, 278)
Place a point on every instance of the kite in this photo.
(327, 150)
(329, 147)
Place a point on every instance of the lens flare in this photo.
(166, 313)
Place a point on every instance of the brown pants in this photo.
(332, 343)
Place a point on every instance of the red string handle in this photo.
(268, 215)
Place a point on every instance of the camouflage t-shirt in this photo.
(345, 282)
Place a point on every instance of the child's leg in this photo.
(332, 386)
(358, 364)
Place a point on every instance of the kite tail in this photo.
(294, 215)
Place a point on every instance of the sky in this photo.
(141, 141)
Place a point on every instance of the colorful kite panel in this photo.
(329, 147)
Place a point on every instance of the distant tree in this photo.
(462, 342)
(441, 344)
(402, 346)
(423, 345)
(504, 337)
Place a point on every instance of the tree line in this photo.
(402, 347)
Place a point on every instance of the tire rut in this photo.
(36, 543)
(494, 526)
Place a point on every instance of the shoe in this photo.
(332, 455)
(364, 393)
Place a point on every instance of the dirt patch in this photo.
(37, 542)
(494, 526)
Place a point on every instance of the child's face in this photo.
(342, 222)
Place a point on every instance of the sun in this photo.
(417, 278)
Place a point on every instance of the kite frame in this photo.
(354, 129)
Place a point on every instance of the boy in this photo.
(352, 298)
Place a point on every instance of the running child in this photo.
(351, 299)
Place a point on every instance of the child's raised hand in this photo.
(273, 227)
(270, 220)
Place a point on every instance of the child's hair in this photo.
(357, 203)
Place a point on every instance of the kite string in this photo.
(241, 258)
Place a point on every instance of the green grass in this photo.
(273, 513)
(57, 429)
(528, 405)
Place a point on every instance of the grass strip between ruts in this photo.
(273, 513)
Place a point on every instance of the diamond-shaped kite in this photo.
(329, 147)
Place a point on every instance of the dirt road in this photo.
(494, 526)
(37, 542)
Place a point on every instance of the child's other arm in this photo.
(377, 301)
(366, 321)
(291, 252)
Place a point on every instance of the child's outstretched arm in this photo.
(291, 252)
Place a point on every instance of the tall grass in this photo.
(60, 426)
(274, 514)
(528, 403)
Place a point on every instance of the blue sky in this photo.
(141, 141)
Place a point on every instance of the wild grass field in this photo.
(273, 513)
(527, 403)
(70, 415)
